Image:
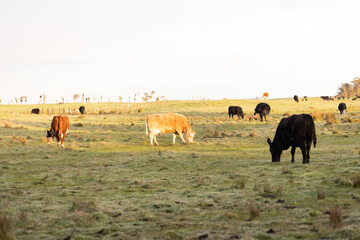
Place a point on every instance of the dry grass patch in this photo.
(7, 124)
(330, 118)
(83, 206)
(286, 114)
(317, 116)
(335, 217)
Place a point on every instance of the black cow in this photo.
(294, 131)
(236, 110)
(326, 98)
(262, 109)
(305, 98)
(82, 110)
(35, 111)
(342, 108)
(296, 98)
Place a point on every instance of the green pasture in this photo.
(109, 183)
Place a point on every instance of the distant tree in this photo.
(349, 89)
(82, 98)
(62, 99)
(120, 98)
(16, 101)
(23, 99)
(75, 97)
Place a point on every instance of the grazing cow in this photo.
(294, 131)
(325, 98)
(82, 110)
(305, 98)
(166, 123)
(354, 99)
(35, 111)
(60, 126)
(342, 108)
(265, 95)
(296, 98)
(262, 109)
(236, 110)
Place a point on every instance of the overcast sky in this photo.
(181, 49)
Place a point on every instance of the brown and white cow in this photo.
(166, 123)
(60, 126)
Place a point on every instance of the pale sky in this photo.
(181, 49)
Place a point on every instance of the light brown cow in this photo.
(166, 123)
(60, 126)
(265, 95)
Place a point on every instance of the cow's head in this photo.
(189, 136)
(275, 151)
(50, 134)
(242, 115)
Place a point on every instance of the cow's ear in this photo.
(269, 141)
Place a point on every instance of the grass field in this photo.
(109, 183)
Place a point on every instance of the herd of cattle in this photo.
(294, 131)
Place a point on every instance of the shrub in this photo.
(5, 228)
(335, 217)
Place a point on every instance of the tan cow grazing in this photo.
(166, 123)
(265, 95)
(60, 126)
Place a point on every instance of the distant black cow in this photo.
(262, 109)
(296, 98)
(82, 109)
(342, 108)
(305, 98)
(325, 98)
(294, 131)
(236, 110)
(354, 99)
(35, 111)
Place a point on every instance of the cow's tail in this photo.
(314, 137)
(146, 124)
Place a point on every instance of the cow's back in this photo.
(166, 122)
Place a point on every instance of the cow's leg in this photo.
(261, 117)
(181, 136)
(308, 146)
(303, 151)
(174, 136)
(265, 116)
(155, 140)
(293, 148)
(151, 139)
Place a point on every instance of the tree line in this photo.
(349, 90)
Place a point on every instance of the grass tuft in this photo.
(320, 194)
(356, 182)
(330, 118)
(335, 217)
(5, 228)
(254, 212)
(7, 124)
